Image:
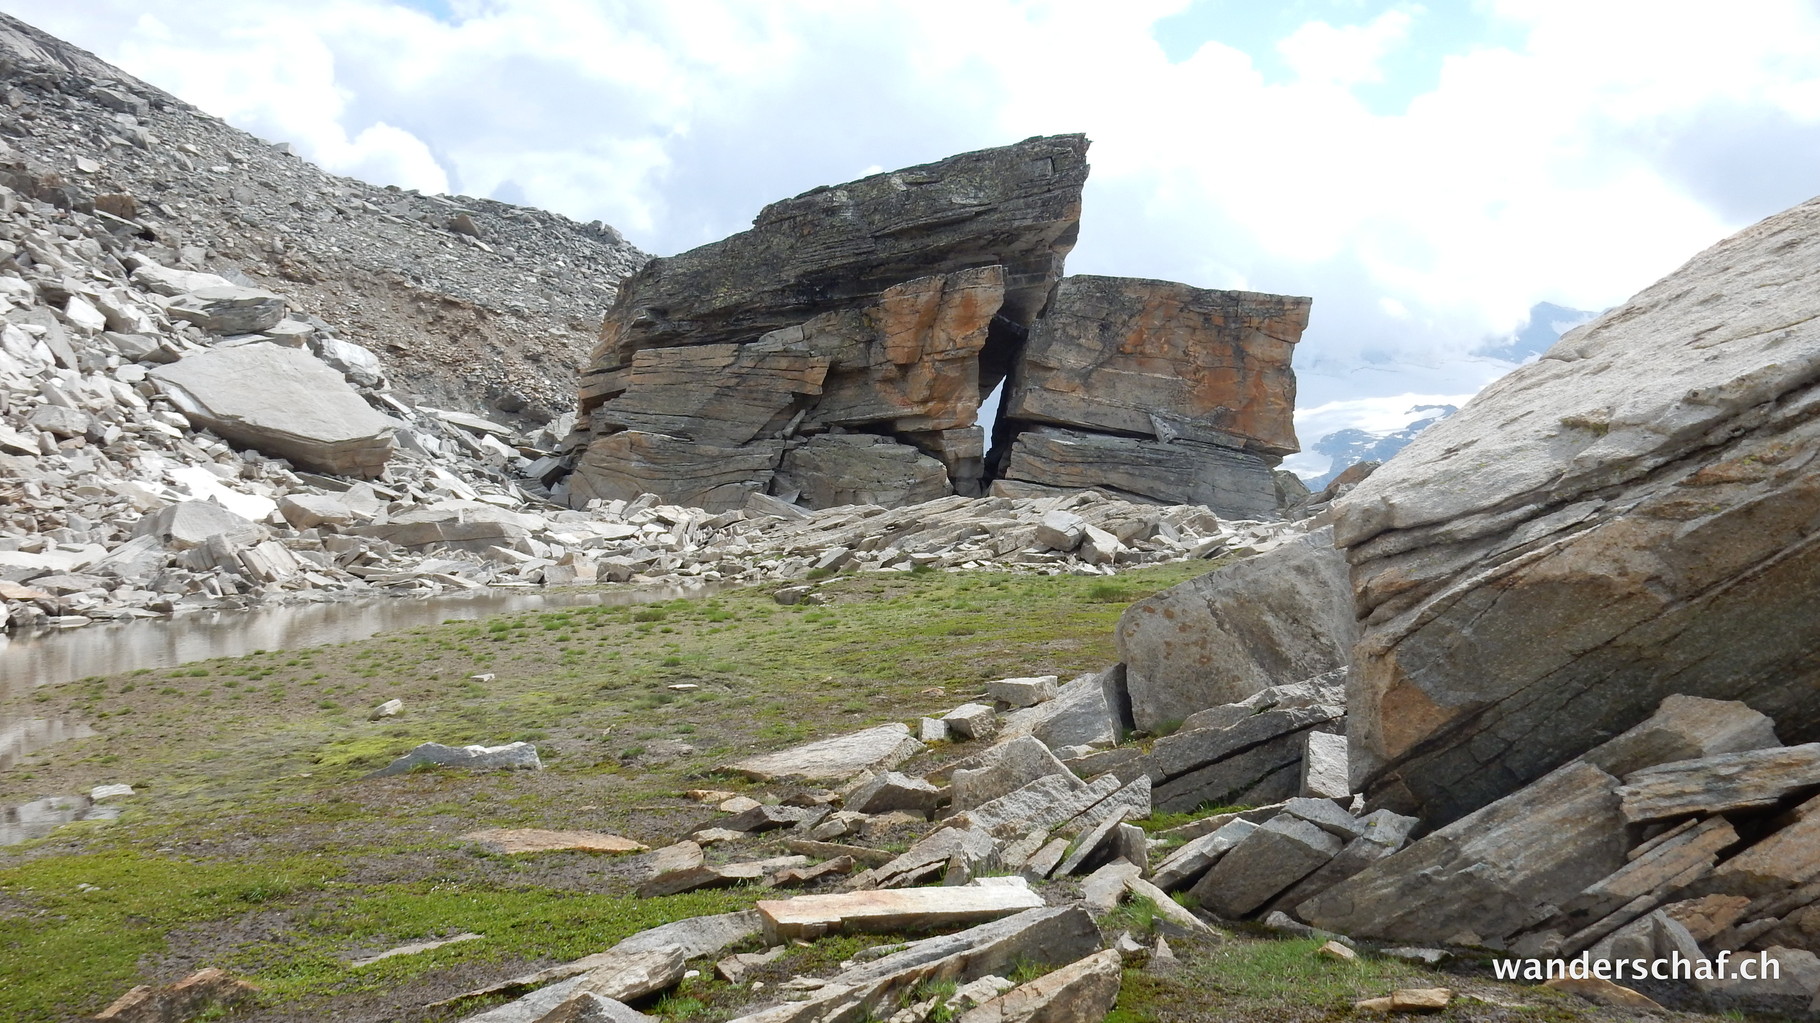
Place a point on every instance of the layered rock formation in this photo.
(1187, 394)
(839, 352)
(1633, 515)
(877, 307)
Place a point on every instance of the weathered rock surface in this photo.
(535, 840)
(1185, 394)
(870, 304)
(184, 1000)
(283, 403)
(843, 756)
(1629, 516)
(1280, 617)
(1230, 481)
(1081, 992)
(811, 916)
(1510, 865)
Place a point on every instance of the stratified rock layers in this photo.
(838, 352)
(1188, 393)
(1634, 515)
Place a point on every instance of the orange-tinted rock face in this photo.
(1165, 360)
(912, 359)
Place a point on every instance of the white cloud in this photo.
(1346, 55)
(1574, 163)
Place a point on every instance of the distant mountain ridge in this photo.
(1349, 446)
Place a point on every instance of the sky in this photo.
(1428, 172)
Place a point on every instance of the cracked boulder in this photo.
(1632, 515)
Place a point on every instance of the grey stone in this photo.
(1081, 992)
(1232, 482)
(1038, 936)
(872, 749)
(1279, 853)
(188, 524)
(512, 756)
(1188, 862)
(227, 309)
(1728, 781)
(1044, 803)
(893, 791)
(1324, 766)
(1102, 890)
(1324, 814)
(972, 721)
(1060, 530)
(1022, 692)
(1276, 618)
(283, 403)
(1079, 715)
(1005, 768)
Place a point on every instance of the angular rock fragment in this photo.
(1022, 692)
(886, 911)
(972, 721)
(1276, 855)
(1191, 860)
(872, 749)
(893, 791)
(1038, 936)
(283, 403)
(1276, 618)
(1004, 769)
(1728, 781)
(1081, 992)
(183, 1000)
(228, 309)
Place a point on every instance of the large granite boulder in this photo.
(281, 402)
(1269, 620)
(1632, 515)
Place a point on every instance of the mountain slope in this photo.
(468, 302)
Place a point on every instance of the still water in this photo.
(37, 657)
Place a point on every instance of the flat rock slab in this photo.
(513, 841)
(281, 402)
(718, 876)
(589, 1007)
(1729, 781)
(1278, 854)
(872, 749)
(1167, 910)
(414, 948)
(899, 909)
(1004, 769)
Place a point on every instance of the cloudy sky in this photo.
(1428, 172)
